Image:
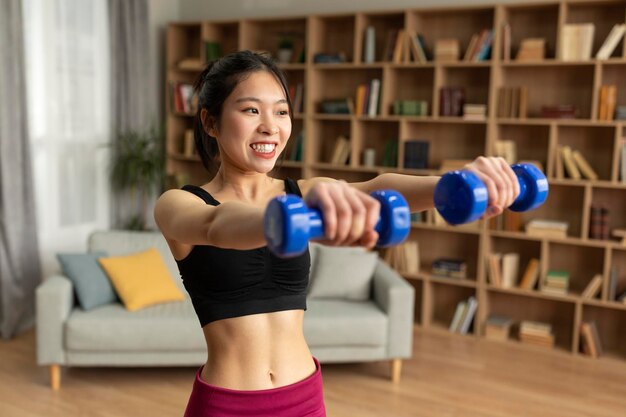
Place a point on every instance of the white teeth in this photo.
(264, 148)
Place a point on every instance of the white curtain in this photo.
(68, 81)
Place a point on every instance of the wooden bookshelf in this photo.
(549, 81)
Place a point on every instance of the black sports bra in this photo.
(226, 283)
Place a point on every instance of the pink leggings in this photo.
(301, 399)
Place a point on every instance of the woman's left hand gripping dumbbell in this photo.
(335, 214)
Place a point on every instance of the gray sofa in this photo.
(169, 334)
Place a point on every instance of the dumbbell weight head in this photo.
(394, 224)
(460, 197)
(533, 187)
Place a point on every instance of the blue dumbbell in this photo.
(290, 224)
(461, 197)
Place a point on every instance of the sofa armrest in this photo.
(54, 302)
(396, 298)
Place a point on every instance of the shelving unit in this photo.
(549, 82)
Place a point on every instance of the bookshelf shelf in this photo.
(550, 81)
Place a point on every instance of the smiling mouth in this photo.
(264, 147)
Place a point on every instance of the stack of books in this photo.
(547, 228)
(531, 49)
(474, 111)
(536, 333)
(498, 327)
(447, 50)
(410, 107)
(367, 98)
(577, 41)
(572, 162)
(451, 268)
(556, 282)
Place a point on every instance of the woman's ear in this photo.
(208, 123)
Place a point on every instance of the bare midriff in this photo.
(257, 352)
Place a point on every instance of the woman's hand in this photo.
(501, 181)
(349, 215)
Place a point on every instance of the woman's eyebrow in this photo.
(242, 99)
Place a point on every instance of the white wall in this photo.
(236, 9)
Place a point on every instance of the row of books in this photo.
(608, 102)
(503, 271)
(367, 98)
(341, 151)
(295, 153)
(404, 257)
(416, 154)
(451, 101)
(577, 41)
(410, 107)
(296, 92)
(479, 47)
(182, 98)
(572, 162)
(400, 46)
(599, 222)
(590, 339)
(463, 315)
(513, 102)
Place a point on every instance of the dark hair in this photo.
(216, 82)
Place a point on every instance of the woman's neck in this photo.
(248, 187)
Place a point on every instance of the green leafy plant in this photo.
(137, 166)
(285, 42)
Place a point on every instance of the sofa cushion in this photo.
(344, 323)
(163, 327)
(124, 242)
(342, 273)
(91, 284)
(141, 279)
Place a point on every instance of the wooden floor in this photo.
(449, 375)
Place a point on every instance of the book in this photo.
(611, 41)
(468, 317)
(372, 104)
(593, 288)
(531, 49)
(570, 165)
(510, 268)
(583, 166)
(495, 270)
(369, 45)
(416, 154)
(447, 50)
(506, 41)
(531, 275)
(547, 228)
(577, 41)
(458, 314)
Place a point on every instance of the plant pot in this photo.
(284, 55)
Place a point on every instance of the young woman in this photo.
(250, 303)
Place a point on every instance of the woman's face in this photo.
(255, 124)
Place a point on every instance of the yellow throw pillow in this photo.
(141, 279)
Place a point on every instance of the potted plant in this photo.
(285, 49)
(137, 170)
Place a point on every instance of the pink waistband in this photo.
(302, 398)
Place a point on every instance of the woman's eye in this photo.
(283, 112)
(251, 110)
